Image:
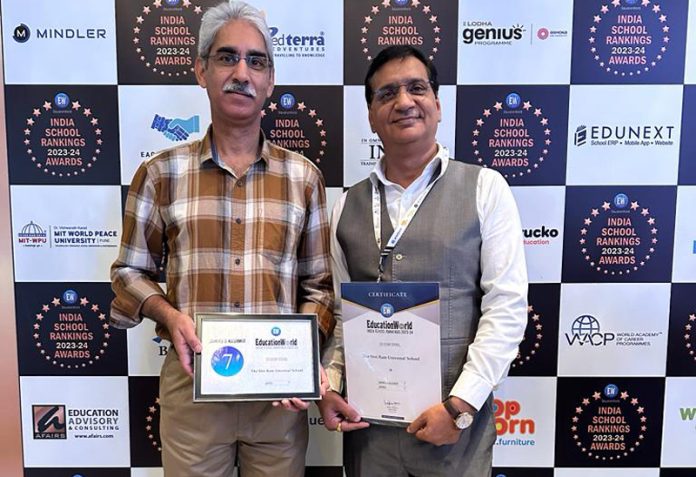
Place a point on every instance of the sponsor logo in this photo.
(162, 349)
(176, 129)
(32, 235)
(293, 45)
(622, 135)
(540, 235)
(227, 361)
(508, 423)
(21, 33)
(484, 32)
(49, 421)
(275, 331)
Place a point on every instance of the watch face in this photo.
(464, 420)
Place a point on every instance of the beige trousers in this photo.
(205, 439)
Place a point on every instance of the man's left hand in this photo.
(436, 426)
(297, 404)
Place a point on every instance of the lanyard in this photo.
(401, 227)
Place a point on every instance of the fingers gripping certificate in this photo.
(391, 333)
(248, 357)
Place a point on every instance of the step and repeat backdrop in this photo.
(586, 107)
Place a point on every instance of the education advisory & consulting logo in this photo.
(512, 136)
(618, 237)
(609, 425)
(628, 37)
(70, 331)
(58, 421)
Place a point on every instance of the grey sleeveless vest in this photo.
(442, 244)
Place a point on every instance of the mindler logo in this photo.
(21, 33)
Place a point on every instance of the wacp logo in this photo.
(387, 310)
(21, 33)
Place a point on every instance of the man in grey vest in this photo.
(467, 236)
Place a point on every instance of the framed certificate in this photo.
(256, 357)
(391, 335)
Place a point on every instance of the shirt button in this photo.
(398, 256)
(236, 304)
(240, 183)
(238, 220)
(237, 261)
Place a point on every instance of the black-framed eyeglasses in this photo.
(228, 59)
(414, 88)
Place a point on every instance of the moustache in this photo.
(240, 88)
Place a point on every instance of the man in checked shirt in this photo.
(244, 223)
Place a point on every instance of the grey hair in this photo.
(218, 16)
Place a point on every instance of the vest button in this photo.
(398, 256)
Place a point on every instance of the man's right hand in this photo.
(184, 339)
(338, 414)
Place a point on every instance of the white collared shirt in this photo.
(503, 279)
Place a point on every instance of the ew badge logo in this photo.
(49, 421)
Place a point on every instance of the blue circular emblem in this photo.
(621, 201)
(386, 310)
(61, 100)
(400, 3)
(275, 331)
(287, 101)
(70, 297)
(21, 33)
(513, 100)
(227, 361)
(172, 3)
(631, 2)
(611, 390)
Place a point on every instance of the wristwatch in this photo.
(461, 419)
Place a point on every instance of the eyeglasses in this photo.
(227, 59)
(414, 88)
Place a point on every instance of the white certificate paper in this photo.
(248, 357)
(391, 333)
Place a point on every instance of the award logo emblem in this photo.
(291, 124)
(227, 361)
(531, 343)
(70, 332)
(164, 37)
(609, 425)
(618, 237)
(62, 137)
(275, 331)
(512, 136)
(49, 421)
(400, 22)
(629, 37)
(386, 310)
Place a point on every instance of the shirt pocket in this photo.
(280, 230)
